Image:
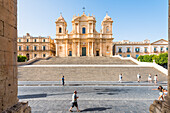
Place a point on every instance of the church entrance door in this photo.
(70, 53)
(28, 56)
(97, 53)
(83, 51)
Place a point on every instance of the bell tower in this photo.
(61, 26)
(107, 25)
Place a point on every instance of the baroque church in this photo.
(84, 40)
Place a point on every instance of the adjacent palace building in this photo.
(126, 48)
(84, 40)
(32, 47)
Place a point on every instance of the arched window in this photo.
(107, 48)
(60, 29)
(107, 29)
(83, 30)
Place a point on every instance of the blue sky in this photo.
(134, 20)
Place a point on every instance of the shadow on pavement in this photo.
(111, 91)
(96, 109)
(32, 96)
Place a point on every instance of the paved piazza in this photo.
(92, 99)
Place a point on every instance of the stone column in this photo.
(79, 49)
(72, 48)
(8, 60)
(92, 49)
(101, 47)
(66, 48)
(88, 50)
(111, 50)
(56, 45)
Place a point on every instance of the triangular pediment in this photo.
(159, 42)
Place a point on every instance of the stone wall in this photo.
(8, 58)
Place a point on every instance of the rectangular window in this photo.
(27, 40)
(146, 50)
(27, 48)
(83, 30)
(128, 55)
(44, 40)
(35, 48)
(19, 48)
(43, 55)
(155, 49)
(167, 48)
(43, 48)
(35, 55)
(19, 40)
(128, 50)
(35, 40)
(120, 50)
(137, 56)
(137, 49)
(161, 48)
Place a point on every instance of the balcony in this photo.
(162, 51)
(155, 51)
(35, 50)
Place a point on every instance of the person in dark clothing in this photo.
(63, 80)
(161, 92)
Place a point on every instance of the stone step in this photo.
(86, 73)
(85, 60)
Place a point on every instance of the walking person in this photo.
(74, 102)
(120, 78)
(138, 77)
(150, 78)
(155, 79)
(165, 93)
(63, 80)
(161, 92)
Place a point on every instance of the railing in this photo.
(146, 64)
(33, 60)
(36, 50)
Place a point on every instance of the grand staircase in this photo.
(84, 60)
(86, 69)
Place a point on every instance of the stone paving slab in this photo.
(87, 83)
(92, 99)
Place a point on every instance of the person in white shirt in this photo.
(74, 102)
(120, 78)
(155, 79)
(150, 78)
(138, 77)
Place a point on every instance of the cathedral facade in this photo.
(84, 40)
